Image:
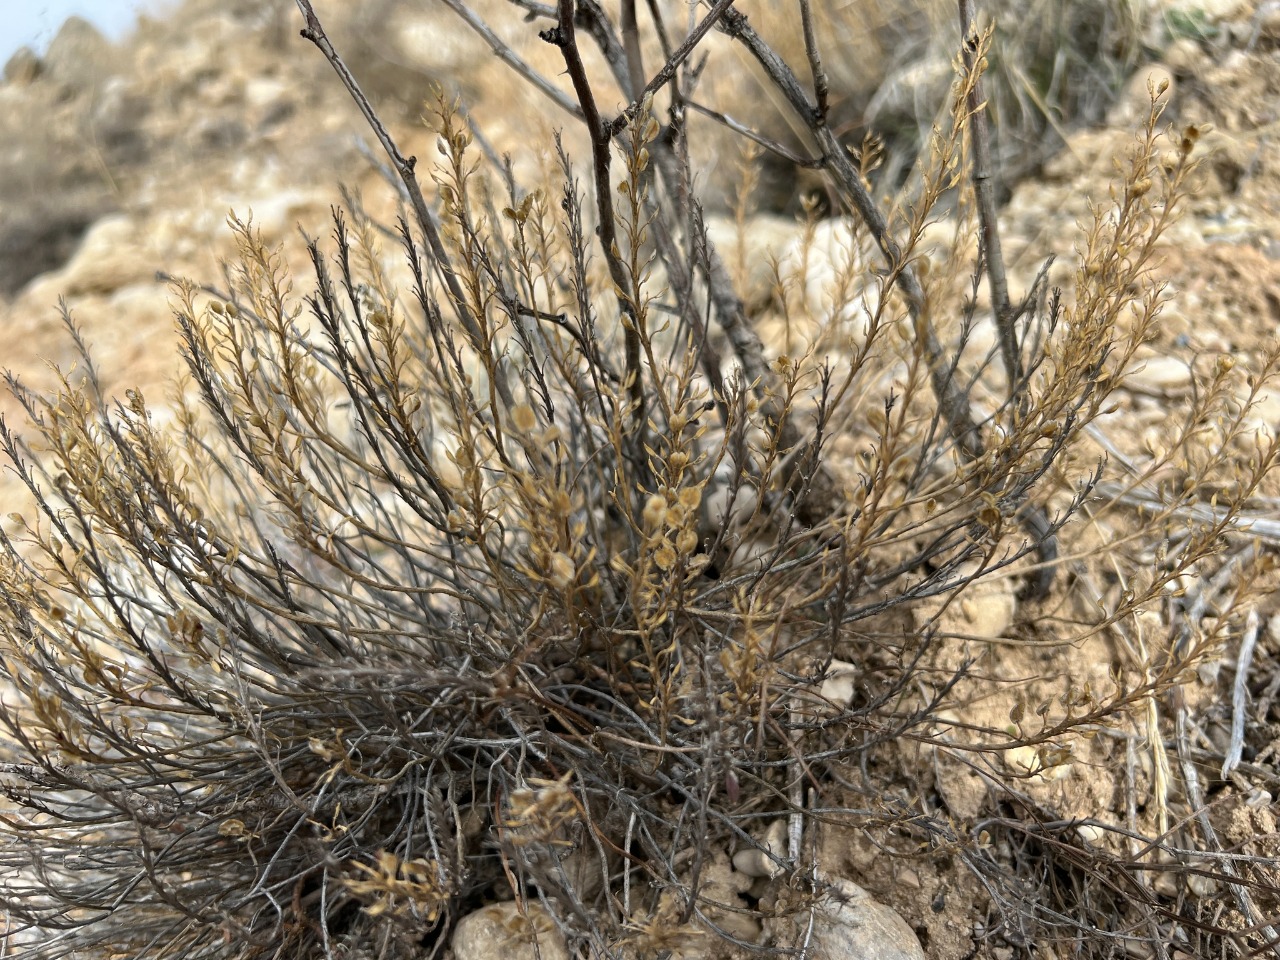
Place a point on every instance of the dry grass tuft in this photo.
(514, 565)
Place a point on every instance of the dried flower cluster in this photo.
(512, 564)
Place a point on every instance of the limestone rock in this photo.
(1160, 376)
(109, 258)
(984, 610)
(763, 862)
(501, 932)
(850, 925)
(23, 67)
(78, 55)
(722, 884)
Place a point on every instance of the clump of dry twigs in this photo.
(514, 565)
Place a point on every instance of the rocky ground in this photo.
(119, 161)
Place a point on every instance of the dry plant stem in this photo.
(1004, 314)
(508, 56)
(821, 89)
(663, 76)
(773, 146)
(1195, 800)
(952, 402)
(405, 167)
(1240, 693)
(564, 36)
(631, 46)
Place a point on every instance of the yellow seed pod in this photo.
(655, 509)
(523, 418)
(561, 571)
(687, 541)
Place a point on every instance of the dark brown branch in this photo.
(404, 167)
(663, 76)
(564, 36)
(952, 403)
(512, 59)
(820, 87)
(1004, 313)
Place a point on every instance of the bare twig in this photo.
(513, 59)
(770, 144)
(405, 166)
(663, 76)
(1005, 314)
(1240, 692)
(821, 89)
(564, 36)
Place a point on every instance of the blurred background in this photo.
(129, 130)
(23, 23)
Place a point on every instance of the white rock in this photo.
(500, 932)
(833, 276)
(1091, 833)
(838, 685)
(751, 253)
(1264, 415)
(724, 506)
(850, 925)
(1201, 886)
(988, 608)
(1160, 376)
(758, 862)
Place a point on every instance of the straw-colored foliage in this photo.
(499, 557)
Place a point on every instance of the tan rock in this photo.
(501, 931)
(78, 55)
(23, 67)
(764, 861)
(109, 257)
(850, 925)
(1160, 376)
(984, 610)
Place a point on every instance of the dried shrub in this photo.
(513, 565)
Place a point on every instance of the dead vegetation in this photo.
(503, 559)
